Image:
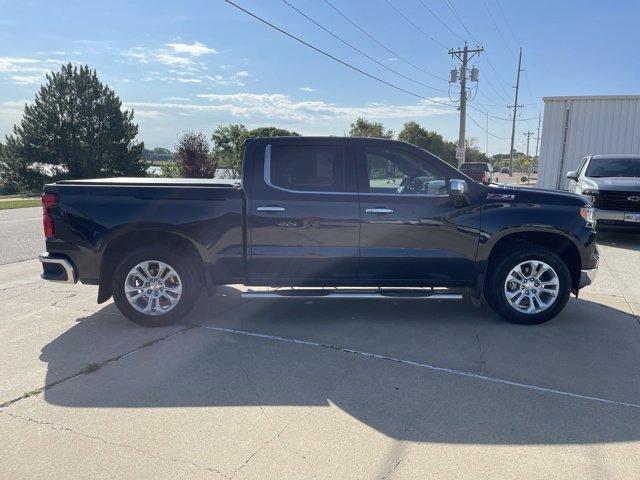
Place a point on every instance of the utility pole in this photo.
(528, 135)
(487, 139)
(515, 107)
(538, 135)
(464, 56)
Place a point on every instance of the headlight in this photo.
(588, 213)
(590, 194)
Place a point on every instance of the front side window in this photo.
(393, 171)
(308, 168)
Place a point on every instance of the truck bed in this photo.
(155, 182)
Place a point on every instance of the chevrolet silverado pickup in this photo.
(612, 184)
(323, 218)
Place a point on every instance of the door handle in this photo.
(379, 210)
(270, 209)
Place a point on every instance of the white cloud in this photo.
(307, 89)
(148, 113)
(243, 73)
(195, 48)
(169, 59)
(282, 107)
(27, 79)
(16, 64)
(178, 98)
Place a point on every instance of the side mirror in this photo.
(458, 188)
(572, 175)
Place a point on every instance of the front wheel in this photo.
(529, 286)
(154, 286)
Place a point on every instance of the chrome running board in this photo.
(345, 293)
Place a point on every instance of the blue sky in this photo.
(192, 65)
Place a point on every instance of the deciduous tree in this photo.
(192, 154)
(364, 128)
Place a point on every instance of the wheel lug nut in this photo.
(156, 294)
(148, 291)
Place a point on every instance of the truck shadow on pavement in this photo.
(590, 349)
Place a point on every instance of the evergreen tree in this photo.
(76, 128)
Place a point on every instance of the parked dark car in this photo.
(505, 170)
(479, 171)
(612, 184)
(321, 212)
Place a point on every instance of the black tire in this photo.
(494, 290)
(185, 267)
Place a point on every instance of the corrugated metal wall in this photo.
(577, 126)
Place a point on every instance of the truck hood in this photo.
(626, 184)
(539, 195)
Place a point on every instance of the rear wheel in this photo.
(529, 285)
(155, 287)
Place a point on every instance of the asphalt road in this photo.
(21, 236)
(279, 389)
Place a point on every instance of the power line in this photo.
(484, 129)
(415, 25)
(440, 20)
(507, 22)
(457, 17)
(392, 52)
(495, 24)
(337, 37)
(486, 58)
(342, 62)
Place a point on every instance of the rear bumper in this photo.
(57, 268)
(587, 277)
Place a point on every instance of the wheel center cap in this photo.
(529, 285)
(155, 286)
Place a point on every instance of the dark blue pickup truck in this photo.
(332, 217)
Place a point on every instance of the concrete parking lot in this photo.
(341, 389)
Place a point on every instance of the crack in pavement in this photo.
(393, 469)
(476, 334)
(451, 371)
(62, 428)
(96, 366)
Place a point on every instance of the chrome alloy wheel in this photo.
(532, 287)
(153, 287)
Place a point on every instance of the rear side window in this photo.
(308, 168)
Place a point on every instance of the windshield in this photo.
(474, 167)
(613, 167)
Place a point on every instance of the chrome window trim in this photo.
(267, 181)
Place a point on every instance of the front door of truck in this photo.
(303, 214)
(412, 230)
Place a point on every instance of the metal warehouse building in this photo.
(577, 126)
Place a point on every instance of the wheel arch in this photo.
(128, 241)
(557, 242)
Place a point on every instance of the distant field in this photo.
(7, 203)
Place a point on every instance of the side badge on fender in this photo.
(500, 196)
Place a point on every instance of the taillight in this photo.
(49, 200)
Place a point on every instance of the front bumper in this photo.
(587, 277)
(57, 268)
(612, 215)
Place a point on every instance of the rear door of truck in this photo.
(303, 214)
